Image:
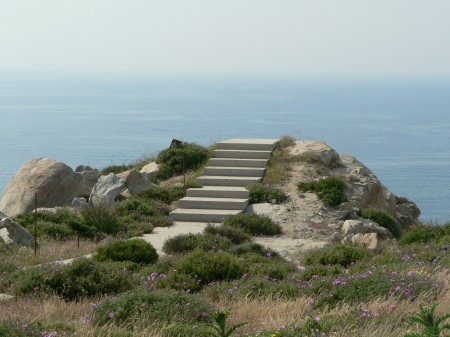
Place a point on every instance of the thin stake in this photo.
(35, 224)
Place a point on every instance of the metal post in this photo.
(35, 224)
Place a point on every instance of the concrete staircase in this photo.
(236, 163)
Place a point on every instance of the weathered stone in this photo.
(80, 203)
(55, 183)
(48, 210)
(150, 169)
(106, 190)
(82, 168)
(363, 227)
(88, 181)
(408, 209)
(370, 241)
(12, 232)
(315, 151)
(109, 239)
(336, 237)
(5, 297)
(136, 182)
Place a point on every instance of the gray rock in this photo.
(315, 151)
(106, 190)
(55, 183)
(136, 182)
(5, 297)
(336, 237)
(13, 233)
(80, 203)
(370, 241)
(82, 168)
(408, 209)
(150, 169)
(364, 226)
(88, 181)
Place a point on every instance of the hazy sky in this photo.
(315, 37)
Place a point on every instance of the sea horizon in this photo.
(398, 128)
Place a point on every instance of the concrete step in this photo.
(213, 203)
(242, 154)
(202, 215)
(218, 192)
(234, 171)
(247, 144)
(227, 181)
(236, 162)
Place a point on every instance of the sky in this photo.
(395, 38)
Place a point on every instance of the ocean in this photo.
(399, 129)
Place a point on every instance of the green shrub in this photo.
(157, 306)
(188, 156)
(7, 267)
(184, 243)
(135, 208)
(161, 221)
(260, 193)
(383, 219)
(318, 270)
(57, 231)
(165, 194)
(340, 254)
(82, 278)
(100, 220)
(421, 234)
(115, 169)
(272, 267)
(210, 266)
(17, 329)
(330, 190)
(235, 235)
(136, 250)
(253, 224)
(138, 228)
(252, 247)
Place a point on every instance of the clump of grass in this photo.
(261, 193)
(137, 251)
(330, 190)
(383, 219)
(184, 243)
(253, 224)
(342, 255)
(280, 162)
(235, 235)
(426, 234)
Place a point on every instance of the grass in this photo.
(277, 171)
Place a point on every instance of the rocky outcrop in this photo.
(364, 226)
(55, 183)
(13, 233)
(315, 151)
(106, 190)
(135, 181)
(150, 169)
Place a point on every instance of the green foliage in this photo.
(432, 326)
(210, 266)
(319, 270)
(188, 155)
(164, 194)
(57, 231)
(273, 268)
(137, 251)
(383, 219)
(16, 329)
(184, 243)
(426, 234)
(98, 220)
(135, 208)
(235, 235)
(253, 224)
(330, 190)
(219, 326)
(342, 255)
(6, 267)
(115, 169)
(252, 247)
(260, 193)
(157, 306)
(82, 278)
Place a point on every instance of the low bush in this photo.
(99, 220)
(260, 193)
(383, 219)
(332, 191)
(136, 250)
(273, 268)
(342, 255)
(7, 267)
(187, 156)
(135, 208)
(165, 194)
(313, 271)
(253, 224)
(82, 278)
(210, 266)
(235, 235)
(157, 306)
(138, 228)
(252, 247)
(57, 231)
(184, 243)
(426, 234)
(115, 169)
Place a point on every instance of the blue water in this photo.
(400, 129)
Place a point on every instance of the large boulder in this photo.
(364, 226)
(55, 183)
(365, 190)
(135, 181)
(315, 151)
(370, 241)
(150, 169)
(13, 233)
(106, 190)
